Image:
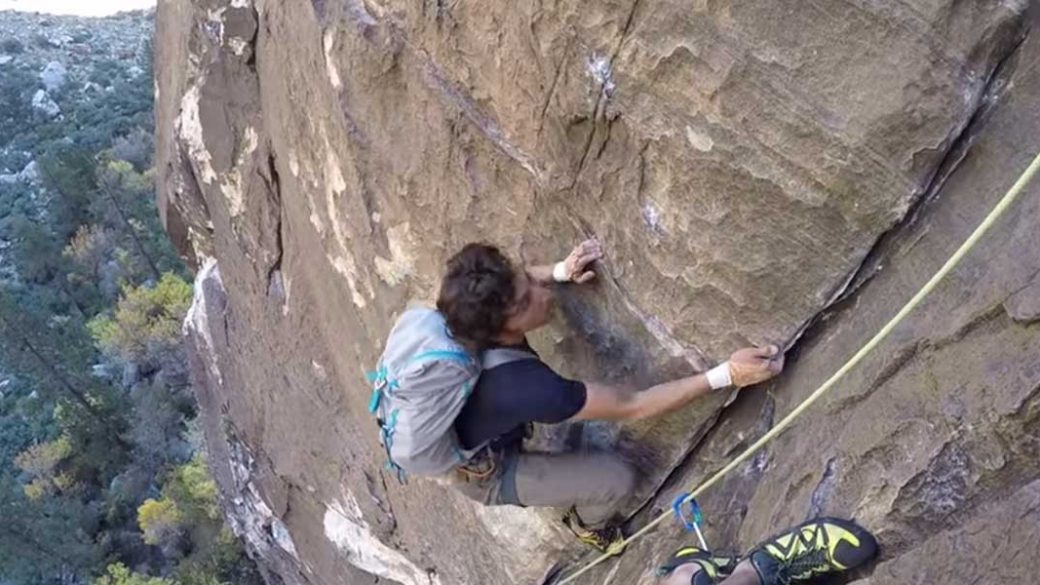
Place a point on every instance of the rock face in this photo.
(53, 76)
(42, 103)
(758, 172)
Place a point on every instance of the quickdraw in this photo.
(691, 523)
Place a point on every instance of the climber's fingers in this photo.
(591, 247)
(584, 254)
(584, 260)
(766, 352)
(585, 277)
(753, 365)
(588, 250)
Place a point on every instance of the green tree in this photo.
(17, 431)
(43, 463)
(118, 574)
(146, 327)
(16, 101)
(160, 520)
(40, 540)
(37, 251)
(81, 452)
(195, 492)
(68, 172)
(135, 148)
(126, 206)
(122, 190)
(93, 268)
(216, 555)
(55, 356)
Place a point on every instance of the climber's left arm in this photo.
(575, 268)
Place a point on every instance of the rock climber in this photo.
(812, 549)
(488, 303)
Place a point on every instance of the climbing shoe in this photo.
(713, 568)
(607, 540)
(823, 545)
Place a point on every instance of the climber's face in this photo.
(531, 306)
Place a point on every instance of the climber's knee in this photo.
(619, 475)
(626, 479)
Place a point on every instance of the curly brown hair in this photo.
(476, 294)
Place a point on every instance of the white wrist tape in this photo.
(719, 376)
(560, 272)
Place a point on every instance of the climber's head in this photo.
(485, 300)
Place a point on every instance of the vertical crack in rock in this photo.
(272, 181)
(455, 96)
(753, 468)
(601, 69)
(625, 30)
(958, 147)
(555, 81)
(253, 42)
(378, 492)
(985, 102)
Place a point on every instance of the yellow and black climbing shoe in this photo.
(609, 540)
(823, 545)
(713, 567)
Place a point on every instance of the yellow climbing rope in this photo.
(968, 244)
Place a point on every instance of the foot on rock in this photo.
(713, 568)
(606, 540)
(816, 547)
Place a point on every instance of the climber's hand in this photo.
(576, 267)
(753, 365)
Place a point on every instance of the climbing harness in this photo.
(997, 211)
(691, 523)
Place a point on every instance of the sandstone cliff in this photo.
(758, 172)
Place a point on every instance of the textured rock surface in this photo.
(739, 161)
(53, 75)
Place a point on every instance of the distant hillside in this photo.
(103, 478)
(67, 85)
(70, 79)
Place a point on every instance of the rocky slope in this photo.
(65, 53)
(64, 82)
(758, 172)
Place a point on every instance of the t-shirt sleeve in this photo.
(543, 395)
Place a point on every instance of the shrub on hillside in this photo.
(118, 574)
(160, 521)
(195, 492)
(12, 46)
(42, 464)
(146, 327)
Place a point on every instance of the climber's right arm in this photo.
(744, 368)
(603, 402)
